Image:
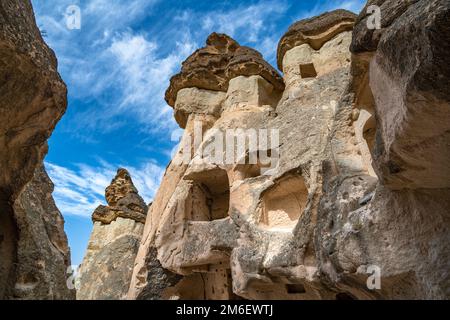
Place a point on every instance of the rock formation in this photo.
(34, 255)
(345, 194)
(43, 255)
(106, 269)
(361, 176)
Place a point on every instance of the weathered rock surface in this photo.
(106, 269)
(315, 31)
(409, 79)
(32, 100)
(123, 201)
(213, 66)
(359, 184)
(33, 95)
(43, 256)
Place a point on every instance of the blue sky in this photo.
(117, 67)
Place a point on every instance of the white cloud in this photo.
(81, 190)
(328, 5)
(108, 63)
(143, 77)
(251, 20)
(253, 24)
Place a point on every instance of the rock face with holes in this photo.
(34, 255)
(317, 187)
(105, 272)
(401, 105)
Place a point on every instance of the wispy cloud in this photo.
(253, 19)
(322, 6)
(255, 24)
(121, 71)
(144, 76)
(80, 190)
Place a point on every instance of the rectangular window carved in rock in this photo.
(211, 196)
(308, 70)
(284, 203)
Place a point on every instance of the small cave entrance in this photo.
(284, 203)
(345, 296)
(307, 70)
(203, 286)
(295, 288)
(211, 196)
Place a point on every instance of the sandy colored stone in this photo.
(303, 62)
(197, 101)
(335, 206)
(107, 266)
(407, 82)
(106, 269)
(147, 267)
(315, 31)
(123, 201)
(222, 59)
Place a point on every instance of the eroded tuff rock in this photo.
(43, 256)
(360, 182)
(123, 201)
(32, 100)
(106, 269)
(407, 74)
(315, 31)
(213, 66)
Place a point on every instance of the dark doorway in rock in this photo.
(308, 70)
(345, 296)
(211, 196)
(295, 288)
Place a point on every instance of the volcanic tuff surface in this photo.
(362, 178)
(360, 181)
(34, 255)
(105, 272)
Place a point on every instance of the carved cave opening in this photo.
(284, 203)
(295, 288)
(215, 285)
(308, 70)
(211, 196)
